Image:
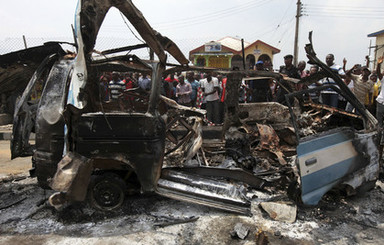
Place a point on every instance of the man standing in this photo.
(261, 91)
(183, 92)
(380, 97)
(145, 82)
(194, 85)
(116, 86)
(104, 88)
(210, 87)
(330, 96)
(362, 85)
(128, 81)
(288, 70)
(314, 95)
(170, 85)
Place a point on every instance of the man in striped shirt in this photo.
(116, 86)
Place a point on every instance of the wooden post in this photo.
(151, 54)
(25, 42)
(231, 103)
(242, 50)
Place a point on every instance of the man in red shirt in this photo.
(169, 89)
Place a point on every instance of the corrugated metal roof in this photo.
(233, 43)
(376, 33)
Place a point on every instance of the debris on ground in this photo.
(281, 211)
(177, 221)
(142, 142)
(240, 231)
(261, 238)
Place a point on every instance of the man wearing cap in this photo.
(291, 71)
(260, 65)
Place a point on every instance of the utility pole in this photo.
(296, 44)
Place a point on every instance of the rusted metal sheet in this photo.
(270, 141)
(270, 112)
(72, 177)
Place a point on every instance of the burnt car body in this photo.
(16, 69)
(83, 143)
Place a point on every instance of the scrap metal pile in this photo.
(267, 151)
(88, 147)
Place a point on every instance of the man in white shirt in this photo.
(211, 88)
(380, 97)
(330, 96)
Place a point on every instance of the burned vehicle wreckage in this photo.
(85, 146)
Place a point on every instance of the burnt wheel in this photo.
(106, 191)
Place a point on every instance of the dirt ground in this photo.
(26, 217)
(11, 167)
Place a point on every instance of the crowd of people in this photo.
(207, 90)
(363, 83)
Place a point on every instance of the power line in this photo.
(281, 21)
(272, 29)
(287, 29)
(210, 17)
(357, 13)
(123, 17)
(247, 4)
(366, 11)
(348, 8)
(286, 36)
(339, 15)
(205, 18)
(317, 10)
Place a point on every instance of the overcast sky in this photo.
(340, 27)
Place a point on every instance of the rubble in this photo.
(281, 211)
(261, 238)
(145, 143)
(240, 231)
(179, 221)
(337, 220)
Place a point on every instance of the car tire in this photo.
(106, 191)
